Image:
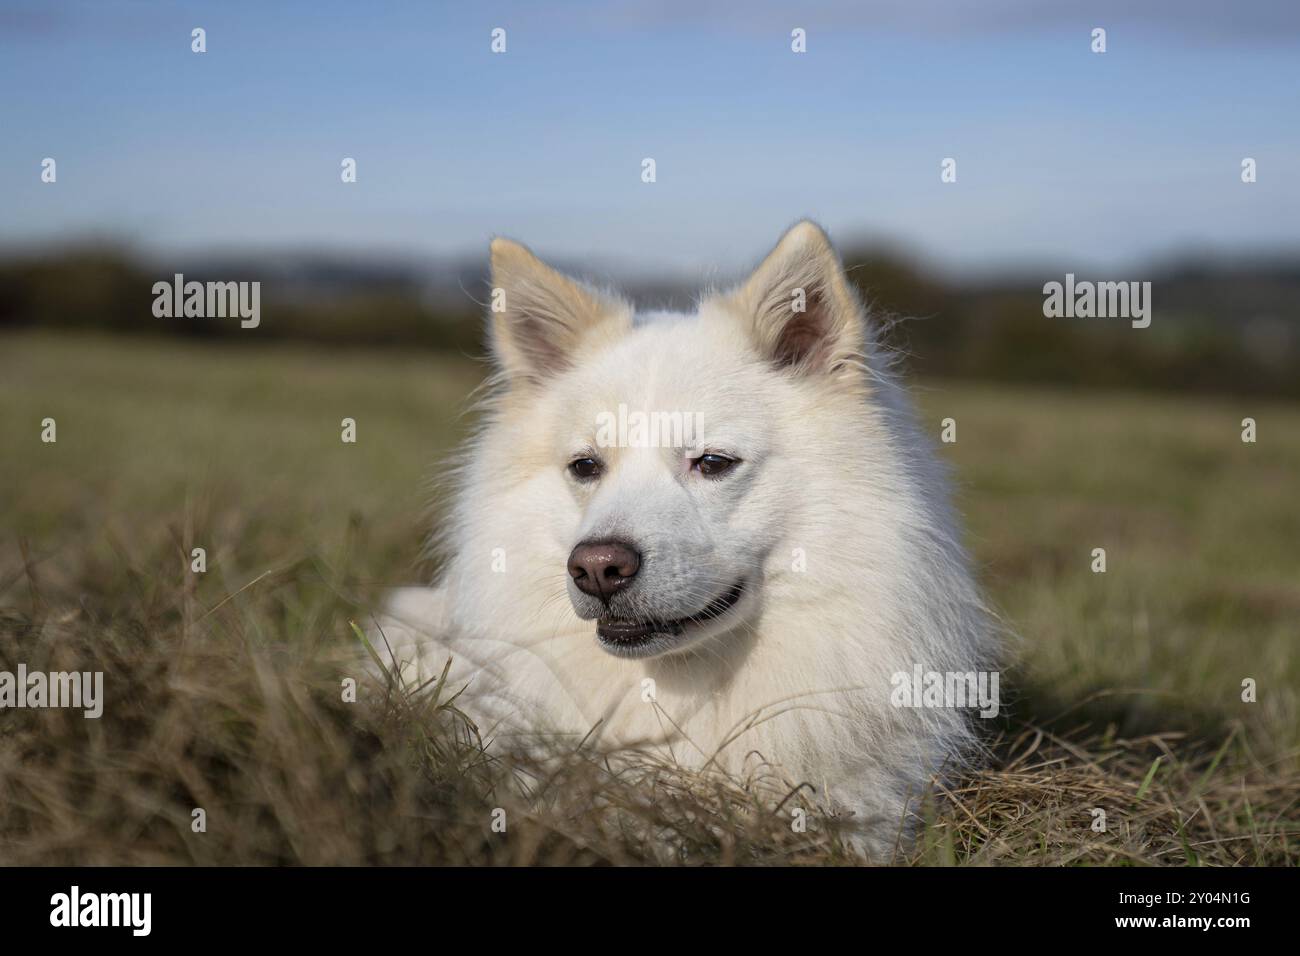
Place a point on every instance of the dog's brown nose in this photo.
(600, 568)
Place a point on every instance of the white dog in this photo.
(717, 534)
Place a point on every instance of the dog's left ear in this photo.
(541, 319)
(799, 308)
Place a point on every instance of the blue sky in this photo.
(1063, 155)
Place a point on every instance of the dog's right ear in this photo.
(540, 319)
(800, 309)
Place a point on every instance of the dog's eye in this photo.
(585, 469)
(714, 465)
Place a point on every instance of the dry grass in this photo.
(1166, 800)
(211, 706)
(231, 700)
(224, 689)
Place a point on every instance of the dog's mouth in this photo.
(623, 636)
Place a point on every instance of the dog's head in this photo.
(668, 451)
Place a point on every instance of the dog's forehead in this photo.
(667, 340)
(642, 318)
(665, 358)
(666, 363)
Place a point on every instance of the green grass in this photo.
(1202, 587)
(224, 688)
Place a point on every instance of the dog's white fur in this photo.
(832, 473)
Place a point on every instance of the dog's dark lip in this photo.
(626, 633)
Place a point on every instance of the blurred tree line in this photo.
(1217, 326)
(318, 301)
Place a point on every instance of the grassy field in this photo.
(224, 687)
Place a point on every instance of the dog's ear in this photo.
(540, 318)
(799, 308)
